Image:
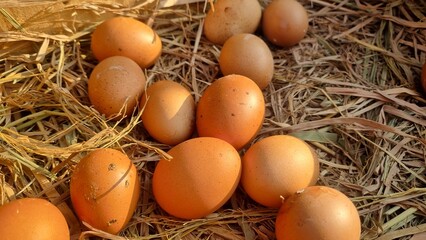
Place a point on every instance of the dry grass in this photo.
(350, 88)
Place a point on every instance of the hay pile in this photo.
(350, 88)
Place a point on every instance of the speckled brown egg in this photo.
(105, 189)
(232, 108)
(275, 167)
(126, 36)
(199, 179)
(168, 112)
(115, 86)
(318, 212)
(32, 218)
(285, 22)
(229, 17)
(248, 55)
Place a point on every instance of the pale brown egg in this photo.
(168, 112)
(200, 178)
(248, 55)
(32, 218)
(229, 17)
(115, 86)
(285, 22)
(105, 189)
(318, 212)
(276, 167)
(126, 36)
(232, 108)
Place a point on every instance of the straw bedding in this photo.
(350, 88)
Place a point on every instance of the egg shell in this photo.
(199, 179)
(105, 190)
(126, 36)
(229, 17)
(115, 86)
(248, 55)
(32, 218)
(285, 22)
(423, 77)
(232, 108)
(318, 212)
(276, 167)
(169, 113)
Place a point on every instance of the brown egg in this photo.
(248, 55)
(423, 77)
(318, 212)
(285, 22)
(125, 36)
(32, 218)
(169, 113)
(105, 190)
(232, 109)
(276, 167)
(229, 17)
(115, 86)
(201, 177)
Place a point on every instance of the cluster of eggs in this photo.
(212, 140)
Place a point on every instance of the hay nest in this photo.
(350, 88)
